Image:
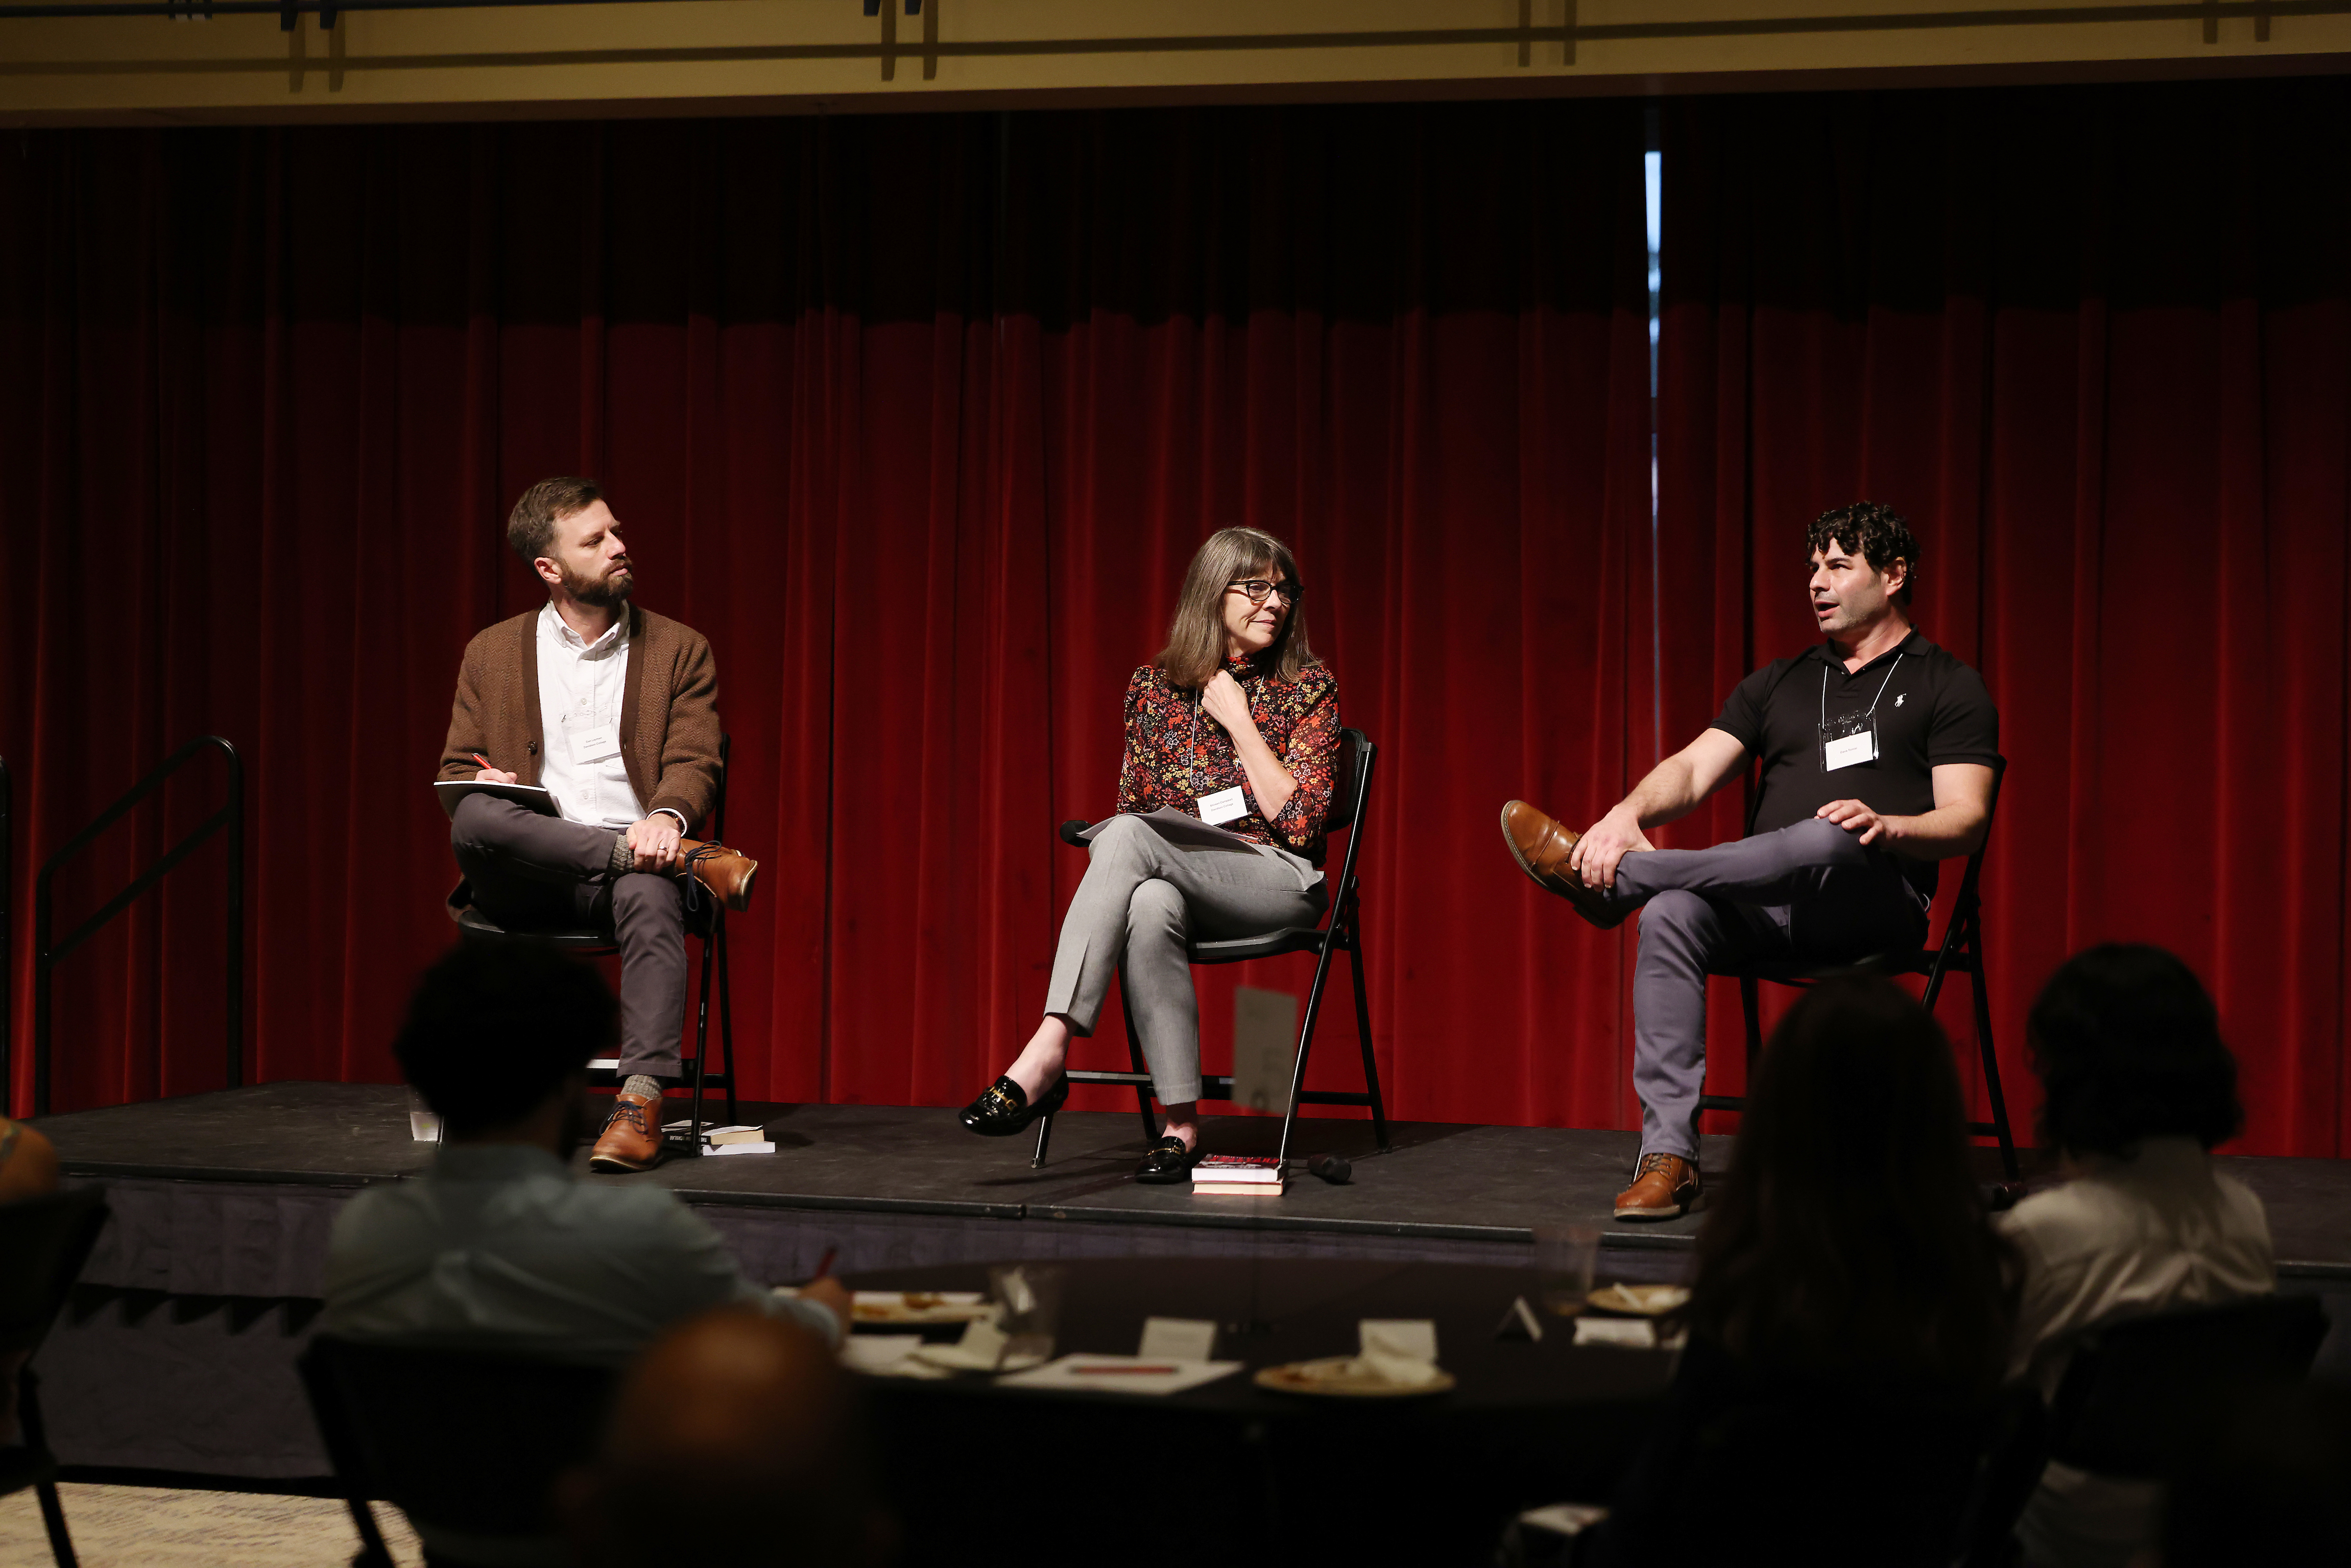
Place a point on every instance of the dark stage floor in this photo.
(178, 1352)
(1440, 1182)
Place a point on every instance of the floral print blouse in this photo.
(1175, 753)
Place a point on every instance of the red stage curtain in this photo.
(919, 420)
(2094, 342)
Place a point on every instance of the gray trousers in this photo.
(1143, 901)
(1810, 890)
(532, 872)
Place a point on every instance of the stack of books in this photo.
(716, 1137)
(1237, 1175)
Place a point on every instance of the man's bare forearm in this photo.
(1670, 790)
(1944, 833)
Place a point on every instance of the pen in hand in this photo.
(824, 1264)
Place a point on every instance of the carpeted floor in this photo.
(152, 1527)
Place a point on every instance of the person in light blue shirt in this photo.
(498, 1247)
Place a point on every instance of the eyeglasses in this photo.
(1258, 589)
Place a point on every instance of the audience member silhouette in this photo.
(29, 1169)
(1850, 1318)
(498, 1248)
(736, 1439)
(2136, 1088)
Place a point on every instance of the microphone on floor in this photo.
(1332, 1168)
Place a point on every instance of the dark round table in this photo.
(1230, 1472)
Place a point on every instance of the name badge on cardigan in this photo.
(595, 743)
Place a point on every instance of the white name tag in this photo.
(1223, 806)
(1847, 750)
(596, 743)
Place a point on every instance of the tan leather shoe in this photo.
(1540, 847)
(1663, 1187)
(632, 1139)
(726, 873)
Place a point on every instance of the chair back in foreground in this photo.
(2138, 1393)
(44, 1243)
(468, 1445)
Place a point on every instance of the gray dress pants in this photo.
(532, 872)
(1143, 901)
(1810, 890)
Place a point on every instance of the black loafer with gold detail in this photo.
(1166, 1162)
(1003, 1110)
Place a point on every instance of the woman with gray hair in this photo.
(1232, 737)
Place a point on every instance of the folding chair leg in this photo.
(726, 1014)
(1135, 1059)
(1983, 989)
(1751, 1004)
(701, 1047)
(1305, 1044)
(1363, 1029)
(53, 1516)
(1044, 1137)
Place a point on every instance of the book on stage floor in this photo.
(717, 1137)
(1259, 1168)
(530, 797)
(1237, 1189)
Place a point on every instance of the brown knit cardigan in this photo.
(669, 712)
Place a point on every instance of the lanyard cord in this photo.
(1873, 701)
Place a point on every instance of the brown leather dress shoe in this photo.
(632, 1140)
(726, 873)
(1663, 1187)
(1540, 847)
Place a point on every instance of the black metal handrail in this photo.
(47, 955)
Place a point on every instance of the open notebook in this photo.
(530, 797)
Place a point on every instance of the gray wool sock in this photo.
(624, 859)
(639, 1084)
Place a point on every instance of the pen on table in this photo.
(1084, 1371)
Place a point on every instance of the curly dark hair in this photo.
(1877, 533)
(493, 1030)
(1851, 1233)
(2127, 1046)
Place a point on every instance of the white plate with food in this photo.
(1346, 1377)
(919, 1307)
(1639, 1301)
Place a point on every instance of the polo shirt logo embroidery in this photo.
(1899, 696)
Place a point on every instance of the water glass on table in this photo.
(1565, 1258)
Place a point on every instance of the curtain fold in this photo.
(919, 421)
(2095, 343)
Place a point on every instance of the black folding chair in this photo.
(44, 1241)
(1962, 949)
(2138, 1392)
(705, 920)
(1341, 932)
(468, 1445)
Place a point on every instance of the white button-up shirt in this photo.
(581, 686)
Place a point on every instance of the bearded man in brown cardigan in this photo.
(614, 711)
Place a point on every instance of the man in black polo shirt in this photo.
(1878, 751)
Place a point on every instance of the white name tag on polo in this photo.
(596, 743)
(1849, 749)
(1223, 806)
